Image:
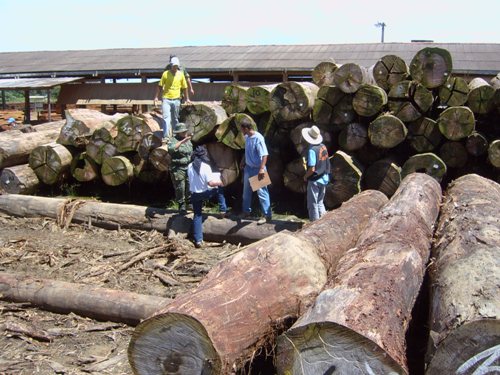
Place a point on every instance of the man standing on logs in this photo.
(180, 149)
(254, 164)
(171, 82)
(317, 173)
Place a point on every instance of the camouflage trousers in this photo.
(181, 186)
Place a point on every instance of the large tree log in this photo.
(51, 162)
(257, 98)
(101, 144)
(19, 179)
(333, 107)
(226, 160)
(409, 100)
(115, 216)
(131, 129)
(454, 154)
(117, 170)
(480, 98)
(456, 123)
(353, 136)
(85, 300)
(494, 153)
(202, 118)
(83, 168)
(293, 176)
(454, 92)
(465, 297)
(345, 179)
(358, 324)
(235, 311)
(349, 77)
(387, 131)
(15, 148)
(431, 66)
(160, 158)
(476, 144)
(292, 100)
(229, 132)
(369, 100)
(428, 162)
(233, 99)
(389, 70)
(322, 73)
(424, 134)
(383, 175)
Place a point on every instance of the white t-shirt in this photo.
(198, 183)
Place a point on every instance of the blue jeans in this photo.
(197, 200)
(170, 110)
(262, 193)
(315, 196)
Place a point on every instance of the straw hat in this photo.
(312, 135)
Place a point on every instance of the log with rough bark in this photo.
(465, 297)
(495, 83)
(226, 160)
(349, 77)
(85, 300)
(480, 98)
(293, 176)
(454, 154)
(229, 132)
(345, 179)
(81, 123)
(424, 134)
(322, 73)
(101, 145)
(148, 143)
(389, 70)
(19, 179)
(387, 131)
(476, 144)
(15, 147)
(160, 158)
(333, 107)
(234, 99)
(145, 171)
(454, 92)
(353, 136)
(203, 118)
(431, 66)
(291, 101)
(83, 168)
(383, 175)
(494, 153)
(358, 323)
(115, 216)
(456, 123)
(244, 301)
(130, 131)
(257, 98)
(369, 100)
(428, 163)
(117, 170)
(51, 162)
(409, 100)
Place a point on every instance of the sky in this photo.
(56, 25)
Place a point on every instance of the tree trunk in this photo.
(148, 143)
(494, 153)
(387, 131)
(233, 99)
(480, 99)
(145, 171)
(50, 162)
(229, 132)
(454, 92)
(115, 216)
(456, 123)
(160, 158)
(358, 324)
(409, 100)
(424, 134)
(84, 300)
(431, 67)
(83, 168)
(353, 137)
(345, 181)
(465, 298)
(476, 144)
(428, 163)
(291, 101)
(322, 73)
(81, 123)
(333, 107)
(349, 77)
(383, 175)
(117, 170)
(293, 176)
(237, 309)
(18, 179)
(226, 160)
(257, 98)
(131, 129)
(203, 118)
(15, 148)
(454, 154)
(101, 145)
(369, 100)
(389, 70)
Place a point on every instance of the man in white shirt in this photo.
(204, 185)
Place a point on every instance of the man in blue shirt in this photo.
(317, 173)
(254, 163)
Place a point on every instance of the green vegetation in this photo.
(17, 96)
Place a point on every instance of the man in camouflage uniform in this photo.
(180, 149)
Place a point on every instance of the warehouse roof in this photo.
(471, 58)
(34, 83)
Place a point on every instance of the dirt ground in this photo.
(34, 341)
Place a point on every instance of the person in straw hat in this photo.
(317, 173)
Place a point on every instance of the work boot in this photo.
(263, 220)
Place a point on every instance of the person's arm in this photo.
(179, 143)
(186, 95)
(309, 172)
(262, 169)
(190, 86)
(310, 168)
(157, 95)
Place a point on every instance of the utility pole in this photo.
(382, 25)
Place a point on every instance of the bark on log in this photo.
(476, 144)
(454, 92)
(19, 179)
(223, 325)
(15, 148)
(131, 129)
(225, 160)
(494, 153)
(387, 131)
(50, 162)
(257, 98)
(202, 118)
(291, 101)
(233, 99)
(431, 66)
(358, 324)
(409, 100)
(101, 145)
(369, 100)
(160, 158)
(117, 170)
(353, 137)
(148, 143)
(145, 171)
(349, 77)
(333, 107)
(465, 298)
(454, 154)
(229, 132)
(481, 93)
(389, 70)
(84, 300)
(345, 180)
(428, 163)
(424, 135)
(116, 216)
(383, 175)
(322, 73)
(83, 168)
(456, 123)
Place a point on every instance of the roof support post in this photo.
(49, 106)
(27, 109)
(4, 103)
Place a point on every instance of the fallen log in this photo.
(233, 312)
(345, 181)
(101, 145)
(494, 153)
(81, 299)
(116, 216)
(409, 100)
(424, 134)
(291, 100)
(353, 136)
(83, 168)
(456, 123)
(130, 131)
(333, 107)
(202, 118)
(428, 162)
(117, 170)
(322, 73)
(389, 70)
(19, 179)
(257, 98)
(387, 131)
(233, 99)
(51, 162)
(383, 175)
(369, 100)
(465, 298)
(160, 158)
(454, 92)
(349, 77)
(229, 132)
(476, 144)
(431, 66)
(358, 323)
(454, 154)
(480, 98)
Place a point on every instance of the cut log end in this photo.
(336, 350)
(174, 344)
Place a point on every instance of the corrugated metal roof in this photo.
(34, 83)
(474, 58)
